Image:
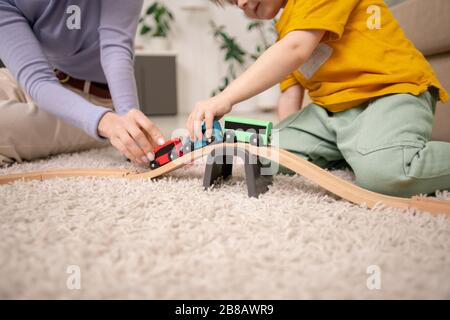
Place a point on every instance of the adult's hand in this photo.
(133, 134)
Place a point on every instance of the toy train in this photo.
(255, 132)
(169, 151)
(216, 137)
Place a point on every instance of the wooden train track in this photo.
(323, 178)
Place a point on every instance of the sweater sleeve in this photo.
(117, 30)
(23, 56)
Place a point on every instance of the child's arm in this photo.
(290, 101)
(274, 65)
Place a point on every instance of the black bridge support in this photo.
(220, 165)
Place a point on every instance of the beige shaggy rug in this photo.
(170, 239)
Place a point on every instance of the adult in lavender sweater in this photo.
(69, 83)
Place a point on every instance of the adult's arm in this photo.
(23, 56)
(129, 131)
(118, 24)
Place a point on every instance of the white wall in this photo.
(200, 62)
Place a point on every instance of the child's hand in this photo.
(207, 111)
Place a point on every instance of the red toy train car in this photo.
(169, 151)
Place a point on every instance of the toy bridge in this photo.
(219, 165)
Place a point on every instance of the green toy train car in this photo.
(255, 132)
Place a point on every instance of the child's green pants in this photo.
(385, 141)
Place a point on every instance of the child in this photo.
(373, 92)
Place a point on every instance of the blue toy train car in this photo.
(216, 137)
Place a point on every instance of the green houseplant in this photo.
(155, 25)
(234, 56)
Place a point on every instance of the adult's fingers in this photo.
(132, 147)
(122, 149)
(151, 129)
(140, 138)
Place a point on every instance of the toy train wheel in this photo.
(154, 165)
(173, 155)
(210, 140)
(230, 137)
(189, 147)
(256, 140)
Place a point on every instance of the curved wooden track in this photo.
(323, 178)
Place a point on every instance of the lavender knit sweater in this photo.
(87, 39)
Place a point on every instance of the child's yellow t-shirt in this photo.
(364, 54)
